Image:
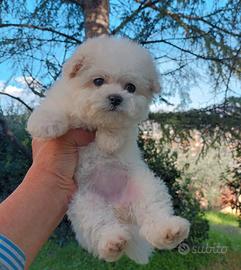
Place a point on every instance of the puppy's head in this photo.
(111, 82)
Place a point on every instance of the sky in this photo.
(200, 95)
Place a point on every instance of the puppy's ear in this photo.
(155, 81)
(155, 86)
(73, 66)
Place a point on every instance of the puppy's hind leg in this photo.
(96, 227)
(154, 212)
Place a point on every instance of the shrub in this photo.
(13, 163)
(233, 182)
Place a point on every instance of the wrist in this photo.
(37, 206)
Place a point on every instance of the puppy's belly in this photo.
(109, 181)
(112, 182)
(105, 176)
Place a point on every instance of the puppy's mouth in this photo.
(113, 108)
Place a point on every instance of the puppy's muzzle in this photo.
(115, 101)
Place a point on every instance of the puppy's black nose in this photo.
(115, 100)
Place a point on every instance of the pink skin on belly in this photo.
(111, 182)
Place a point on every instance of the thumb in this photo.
(79, 137)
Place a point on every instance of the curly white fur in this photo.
(120, 206)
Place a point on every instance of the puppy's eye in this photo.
(98, 81)
(130, 87)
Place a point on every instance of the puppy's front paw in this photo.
(46, 125)
(112, 245)
(166, 234)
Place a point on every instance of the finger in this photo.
(79, 137)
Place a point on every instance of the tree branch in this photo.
(77, 2)
(187, 51)
(32, 88)
(187, 27)
(30, 26)
(199, 18)
(18, 99)
(174, 70)
(142, 6)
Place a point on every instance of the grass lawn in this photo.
(224, 231)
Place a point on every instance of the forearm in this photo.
(32, 212)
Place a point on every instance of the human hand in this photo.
(39, 203)
(58, 157)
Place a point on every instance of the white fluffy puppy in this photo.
(120, 206)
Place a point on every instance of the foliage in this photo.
(202, 139)
(215, 124)
(205, 171)
(13, 163)
(233, 180)
(163, 163)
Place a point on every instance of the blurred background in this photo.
(191, 138)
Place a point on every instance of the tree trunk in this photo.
(96, 15)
